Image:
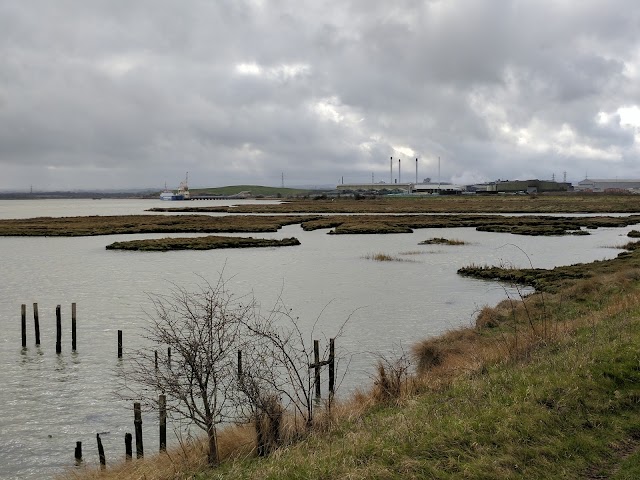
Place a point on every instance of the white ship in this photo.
(181, 194)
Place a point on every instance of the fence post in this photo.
(73, 327)
(162, 404)
(316, 361)
(103, 460)
(137, 423)
(239, 364)
(24, 325)
(119, 343)
(58, 330)
(332, 366)
(36, 323)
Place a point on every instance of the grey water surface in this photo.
(49, 401)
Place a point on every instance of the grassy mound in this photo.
(200, 243)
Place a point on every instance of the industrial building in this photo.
(524, 186)
(414, 188)
(608, 185)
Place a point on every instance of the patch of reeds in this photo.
(384, 257)
(442, 241)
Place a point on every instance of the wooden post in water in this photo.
(239, 364)
(119, 343)
(137, 423)
(332, 366)
(155, 354)
(36, 323)
(162, 404)
(103, 460)
(316, 362)
(24, 325)
(128, 452)
(169, 356)
(58, 330)
(73, 327)
(78, 452)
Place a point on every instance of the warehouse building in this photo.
(608, 185)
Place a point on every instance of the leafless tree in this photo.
(203, 330)
(202, 380)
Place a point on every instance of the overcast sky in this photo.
(115, 93)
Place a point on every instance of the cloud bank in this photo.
(116, 94)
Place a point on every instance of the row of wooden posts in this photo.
(36, 323)
(128, 438)
(162, 402)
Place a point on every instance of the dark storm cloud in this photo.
(123, 94)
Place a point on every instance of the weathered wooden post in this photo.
(137, 423)
(316, 362)
(128, 452)
(73, 327)
(58, 330)
(162, 404)
(103, 460)
(239, 364)
(36, 323)
(78, 452)
(155, 354)
(119, 343)
(332, 366)
(169, 356)
(24, 325)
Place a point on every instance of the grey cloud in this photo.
(138, 93)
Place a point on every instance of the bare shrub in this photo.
(427, 354)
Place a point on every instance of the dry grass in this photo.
(442, 241)
(384, 257)
(547, 203)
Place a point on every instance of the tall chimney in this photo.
(399, 174)
(416, 170)
(391, 177)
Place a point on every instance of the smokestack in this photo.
(399, 174)
(416, 170)
(391, 174)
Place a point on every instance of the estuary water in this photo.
(48, 402)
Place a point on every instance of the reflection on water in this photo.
(51, 401)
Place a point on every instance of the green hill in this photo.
(256, 190)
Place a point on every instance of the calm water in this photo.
(49, 401)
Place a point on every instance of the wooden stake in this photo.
(103, 460)
(78, 452)
(239, 364)
(155, 354)
(58, 330)
(128, 452)
(162, 404)
(36, 323)
(73, 327)
(137, 423)
(119, 343)
(316, 361)
(169, 356)
(24, 325)
(332, 365)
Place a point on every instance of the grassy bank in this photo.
(545, 386)
(200, 243)
(337, 224)
(566, 203)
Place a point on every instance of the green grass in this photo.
(561, 414)
(256, 190)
